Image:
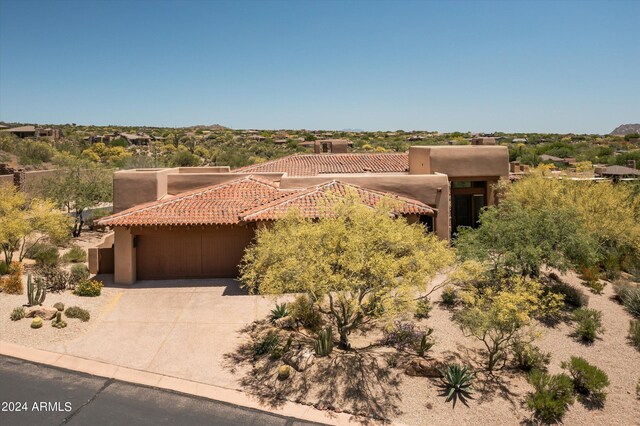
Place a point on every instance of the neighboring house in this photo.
(619, 172)
(196, 222)
(557, 161)
(136, 138)
(336, 146)
(34, 132)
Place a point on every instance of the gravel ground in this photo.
(501, 401)
(48, 337)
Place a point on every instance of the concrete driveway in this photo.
(180, 328)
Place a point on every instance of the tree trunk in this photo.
(77, 225)
(344, 339)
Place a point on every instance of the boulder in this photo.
(424, 368)
(44, 312)
(300, 360)
(285, 322)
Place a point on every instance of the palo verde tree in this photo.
(521, 240)
(79, 186)
(23, 222)
(357, 263)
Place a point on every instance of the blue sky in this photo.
(556, 66)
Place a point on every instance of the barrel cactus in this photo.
(283, 372)
(36, 323)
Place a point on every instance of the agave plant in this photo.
(280, 311)
(456, 382)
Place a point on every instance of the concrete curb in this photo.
(124, 374)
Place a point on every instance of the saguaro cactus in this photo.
(324, 342)
(36, 293)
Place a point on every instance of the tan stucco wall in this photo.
(459, 161)
(181, 182)
(430, 189)
(133, 187)
(124, 272)
(101, 256)
(6, 179)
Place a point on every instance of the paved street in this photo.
(55, 397)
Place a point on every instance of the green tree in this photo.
(357, 264)
(24, 223)
(79, 186)
(521, 240)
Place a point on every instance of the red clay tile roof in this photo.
(248, 199)
(219, 204)
(315, 164)
(312, 201)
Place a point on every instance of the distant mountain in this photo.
(626, 129)
(352, 130)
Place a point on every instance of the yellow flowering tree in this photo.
(499, 315)
(24, 222)
(357, 265)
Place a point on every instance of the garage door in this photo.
(191, 253)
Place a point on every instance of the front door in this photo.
(467, 201)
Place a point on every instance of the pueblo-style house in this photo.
(195, 222)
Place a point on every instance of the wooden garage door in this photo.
(191, 253)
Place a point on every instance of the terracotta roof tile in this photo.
(312, 201)
(219, 204)
(248, 199)
(315, 164)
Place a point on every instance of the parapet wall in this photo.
(460, 161)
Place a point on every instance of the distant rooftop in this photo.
(316, 164)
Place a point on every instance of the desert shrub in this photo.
(572, 296)
(267, 344)
(529, 357)
(621, 289)
(45, 254)
(79, 274)
(449, 296)
(280, 311)
(404, 334)
(54, 278)
(596, 287)
(552, 396)
(17, 313)
(632, 302)
(89, 288)
(303, 311)
(588, 323)
(75, 254)
(634, 333)
(588, 380)
(13, 283)
(4, 268)
(77, 312)
(423, 308)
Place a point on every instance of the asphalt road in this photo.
(51, 396)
